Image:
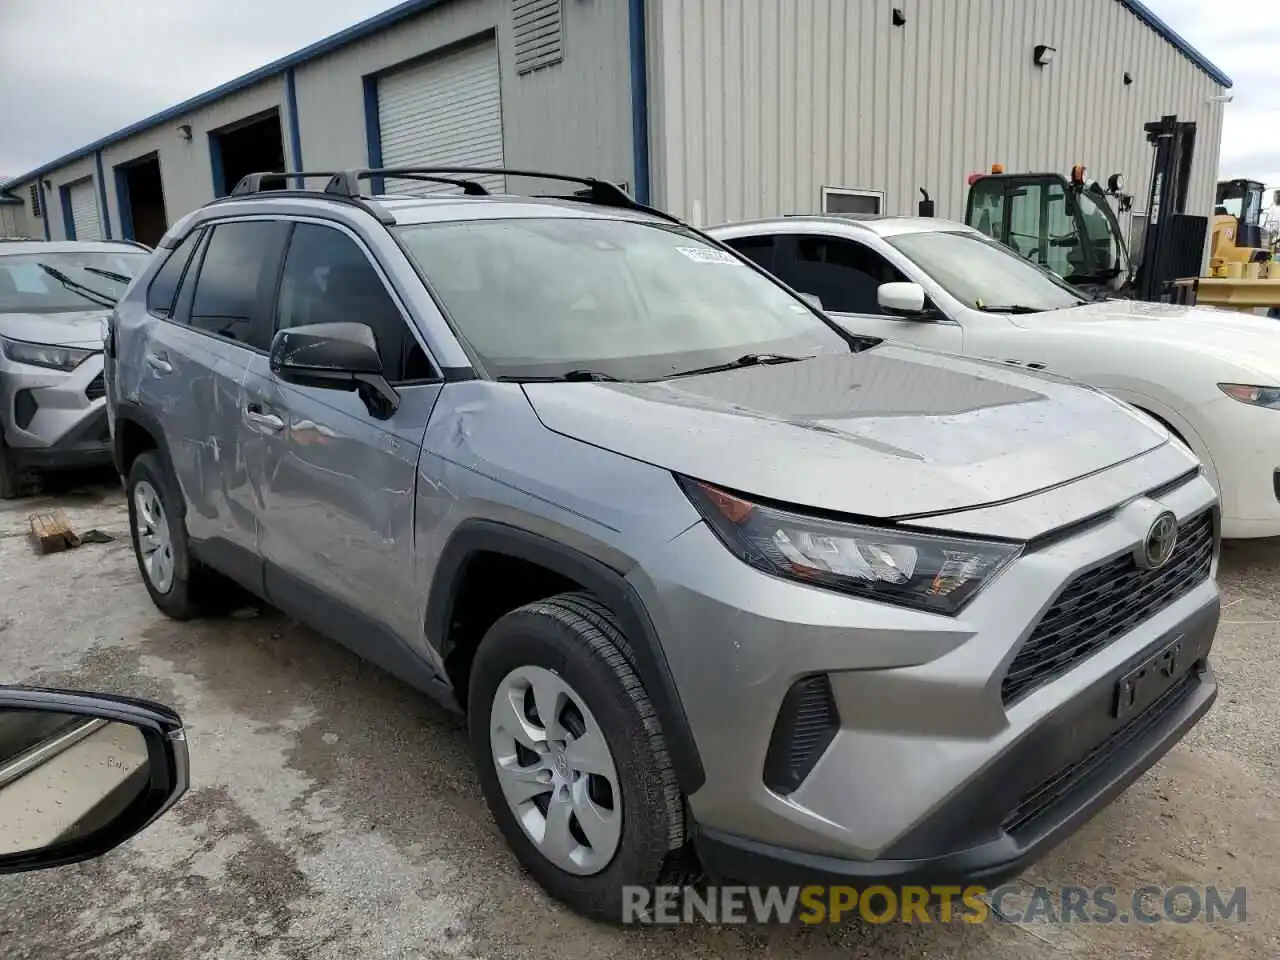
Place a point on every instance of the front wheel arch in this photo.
(474, 537)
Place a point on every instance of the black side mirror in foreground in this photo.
(81, 773)
(335, 356)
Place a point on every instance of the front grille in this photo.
(1104, 603)
(806, 725)
(1045, 794)
(96, 388)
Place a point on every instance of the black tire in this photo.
(578, 638)
(179, 601)
(15, 482)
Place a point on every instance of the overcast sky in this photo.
(74, 70)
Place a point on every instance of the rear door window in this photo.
(164, 285)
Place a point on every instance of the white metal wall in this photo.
(446, 110)
(83, 198)
(573, 115)
(755, 105)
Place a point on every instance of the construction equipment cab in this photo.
(1064, 224)
(1237, 226)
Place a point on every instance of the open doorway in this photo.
(140, 195)
(251, 145)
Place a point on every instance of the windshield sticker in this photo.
(708, 255)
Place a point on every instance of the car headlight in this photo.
(1255, 396)
(930, 572)
(45, 355)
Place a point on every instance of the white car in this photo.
(1212, 377)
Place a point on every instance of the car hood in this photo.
(81, 328)
(1243, 338)
(890, 432)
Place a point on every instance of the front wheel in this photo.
(14, 481)
(570, 755)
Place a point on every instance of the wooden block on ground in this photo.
(50, 532)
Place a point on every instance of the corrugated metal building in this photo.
(714, 109)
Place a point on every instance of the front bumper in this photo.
(929, 759)
(1077, 779)
(53, 419)
(1245, 444)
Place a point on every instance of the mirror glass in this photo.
(65, 776)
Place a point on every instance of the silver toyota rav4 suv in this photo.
(714, 581)
(53, 296)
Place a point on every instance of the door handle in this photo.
(159, 364)
(257, 418)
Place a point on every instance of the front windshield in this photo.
(635, 301)
(1103, 236)
(983, 274)
(49, 282)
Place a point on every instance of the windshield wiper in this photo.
(88, 293)
(109, 274)
(746, 360)
(1011, 308)
(571, 376)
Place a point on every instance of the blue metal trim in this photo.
(9, 199)
(1145, 14)
(68, 221)
(373, 131)
(295, 130)
(44, 207)
(639, 99)
(123, 202)
(215, 166)
(102, 196)
(364, 28)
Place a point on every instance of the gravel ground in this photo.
(333, 812)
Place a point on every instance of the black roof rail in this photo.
(250, 186)
(602, 192)
(252, 182)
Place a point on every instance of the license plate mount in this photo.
(1148, 680)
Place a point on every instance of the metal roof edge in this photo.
(1148, 16)
(356, 31)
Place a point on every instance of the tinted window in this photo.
(227, 290)
(637, 301)
(758, 249)
(845, 275)
(328, 279)
(164, 285)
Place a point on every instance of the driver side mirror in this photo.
(903, 300)
(335, 356)
(812, 299)
(80, 774)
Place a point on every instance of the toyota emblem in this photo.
(1158, 546)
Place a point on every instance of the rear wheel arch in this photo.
(137, 431)
(477, 541)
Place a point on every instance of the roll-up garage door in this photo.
(445, 111)
(84, 210)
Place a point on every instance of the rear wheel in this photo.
(160, 539)
(570, 755)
